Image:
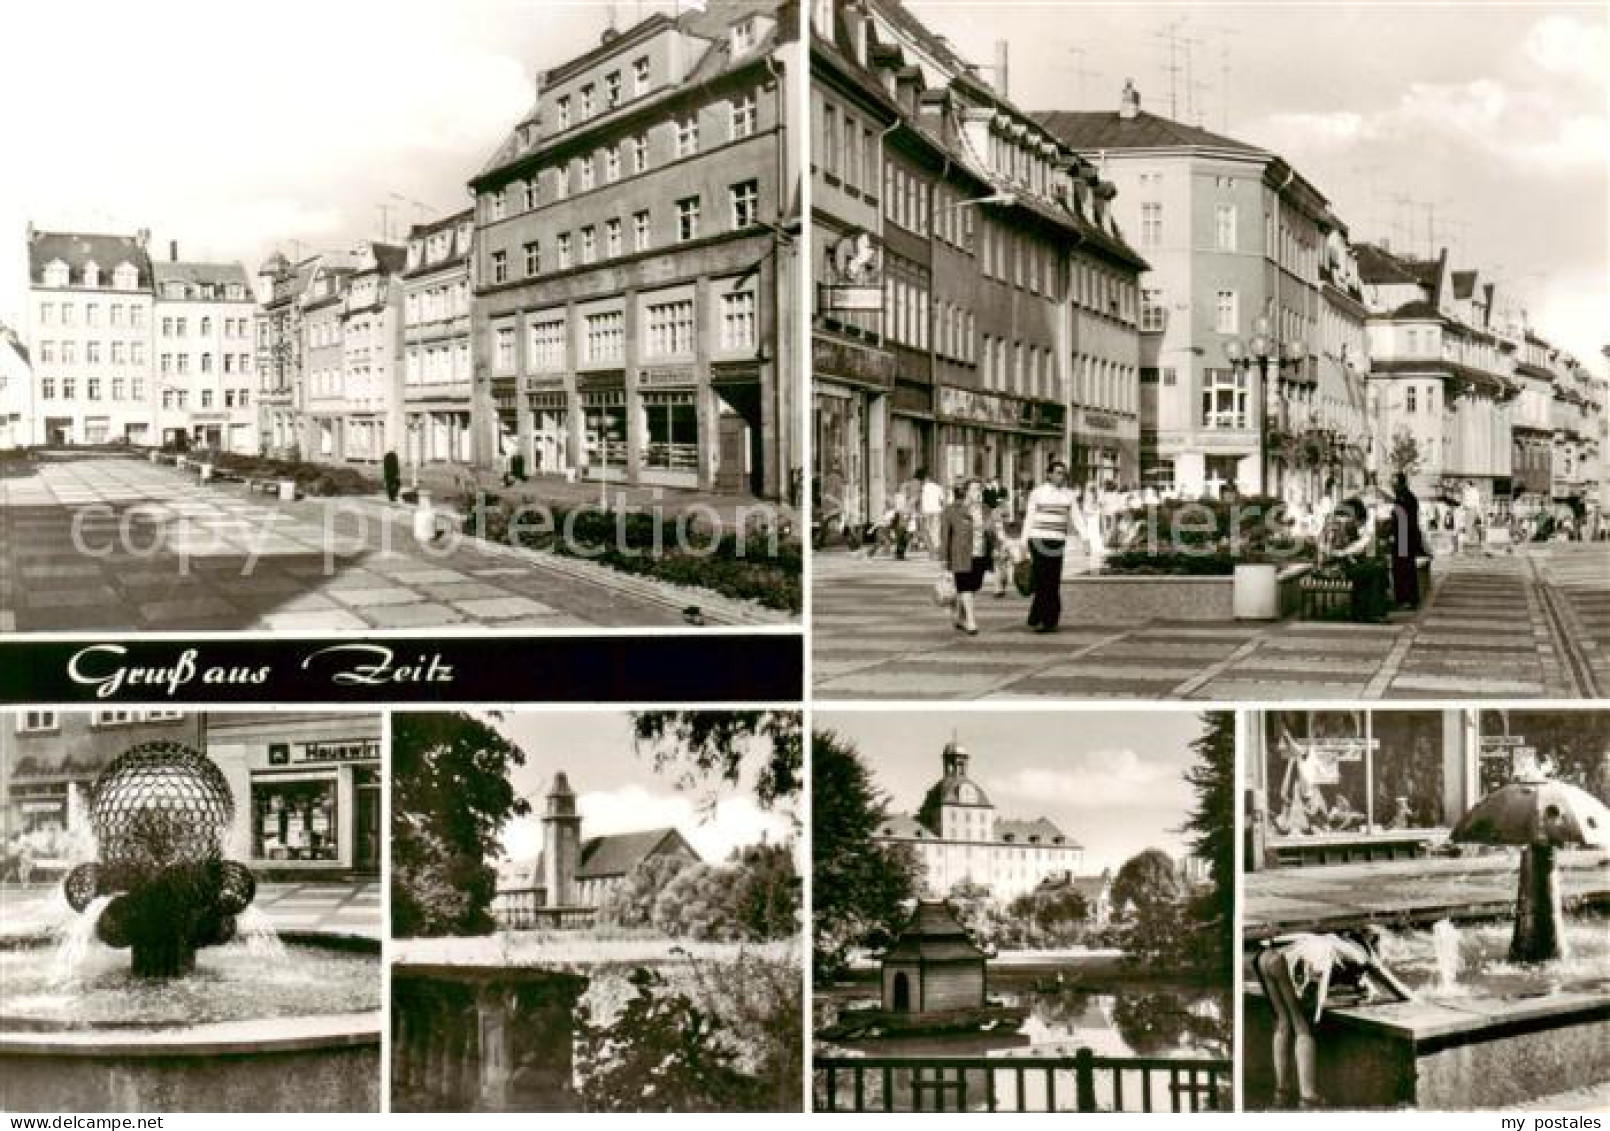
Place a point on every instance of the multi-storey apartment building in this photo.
(202, 340)
(369, 395)
(17, 414)
(1236, 239)
(89, 328)
(281, 289)
(1444, 366)
(1531, 418)
(437, 366)
(631, 261)
(322, 348)
(1006, 334)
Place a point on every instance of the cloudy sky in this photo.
(1110, 780)
(1493, 115)
(237, 128)
(618, 791)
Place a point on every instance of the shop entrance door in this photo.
(734, 438)
(366, 825)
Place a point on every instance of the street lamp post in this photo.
(1270, 356)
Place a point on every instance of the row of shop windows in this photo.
(1383, 771)
(669, 425)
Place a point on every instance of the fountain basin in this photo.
(163, 1063)
(1500, 1035)
(1480, 1054)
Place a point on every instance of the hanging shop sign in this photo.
(853, 283)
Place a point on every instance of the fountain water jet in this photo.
(1445, 944)
(159, 811)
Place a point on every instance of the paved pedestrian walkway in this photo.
(121, 544)
(1490, 630)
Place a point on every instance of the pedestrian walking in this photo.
(1408, 543)
(930, 506)
(967, 547)
(1303, 973)
(1047, 526)
(996, 502)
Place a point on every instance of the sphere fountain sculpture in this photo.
(160, 811)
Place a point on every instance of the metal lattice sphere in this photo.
(160, 803)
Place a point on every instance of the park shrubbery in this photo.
(762, 566)
(1204, 538)
(310, 478)
(717, 1035)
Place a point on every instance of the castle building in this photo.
(572, 875)
(958, 837)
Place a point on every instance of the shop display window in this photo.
(1353, 772)
(671, 424)
(606, 434)
(1570, 746)
(295, 820)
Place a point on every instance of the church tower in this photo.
(561, 843)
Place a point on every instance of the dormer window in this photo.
(55, 273)
(562, 107)
(743, 35)
(641, 72)
(92, 274)
(125, 278)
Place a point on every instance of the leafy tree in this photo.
(766, 894)
(858, 885)
(631, 903)
(767, 746)
(976, 910)
(662, 1053)
(1403, 457)
(1211, 831)
(699, 903)
(1150, 899)
(451, 796)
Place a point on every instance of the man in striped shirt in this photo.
(1047, 526)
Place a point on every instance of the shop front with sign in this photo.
(604, 428)
(851, 385)
(667, 397)
(308, 795)
(991, 435)
(550, 429)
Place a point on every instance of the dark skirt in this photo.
(971, 580)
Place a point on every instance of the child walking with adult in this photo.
(1047, 526)
(967, 548)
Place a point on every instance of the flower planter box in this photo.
(1123, 598)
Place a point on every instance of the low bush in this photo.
(1204, 538)
(759, 567)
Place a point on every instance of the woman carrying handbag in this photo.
(966, 548)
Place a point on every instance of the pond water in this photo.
(230, 983)
(1150, 1020)
(1147, 1019)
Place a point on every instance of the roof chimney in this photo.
(173, 251)
(1129, 100)
(142, 237)
(1001, 53)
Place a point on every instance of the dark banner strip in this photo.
(694, 668)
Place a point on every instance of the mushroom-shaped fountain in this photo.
(1541, 816)
(160, 811)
